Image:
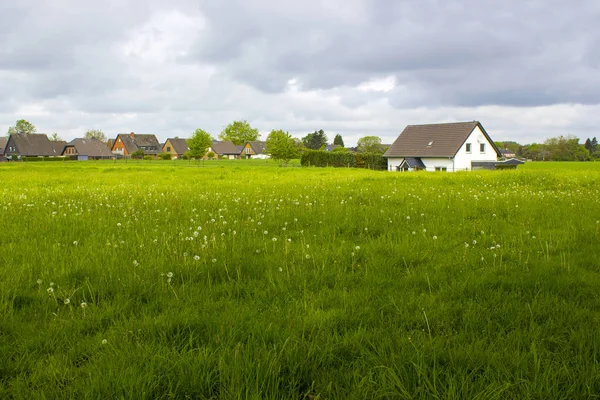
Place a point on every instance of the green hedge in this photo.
(321, 158)
(44, 159)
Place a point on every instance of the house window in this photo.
(168, 149)
(468, 147)
(482, 147)
(442, 169)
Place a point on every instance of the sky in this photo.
(528, 70)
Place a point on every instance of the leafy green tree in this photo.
(315, 140)
(96, 134)
(22, 126)
(594, 144)
(239, 132)
(199, 143)
(369, 144)
(338, 140)
(55, 138)
(282, 146)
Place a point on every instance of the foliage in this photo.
(96, 134)
(54, 137)
(239, 132)
(301, 283)
(139, 153)
(315, 141)
(210, 155)
(282, 146)
(199, 143)
(164, 156)
(369, 144)
(338, 140)
(321, 158)
(186, 156)
(22, 126)
(148, 157)
(340, 150)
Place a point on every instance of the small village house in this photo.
(176, 147)
(58, 146)
(126, 144)
(3, 141)
(255, 149)
(87, 149)
(29, 145)
(224, 149)
(460, 146)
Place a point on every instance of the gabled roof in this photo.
(180, 146)
(416, 163)
(89, 147)
(32, 144)
(140, 141)
(258, 146)
(3, 141)
(58, 146)
(224, 147)
(434, 140)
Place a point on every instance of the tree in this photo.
(239, 132)
(282, 146)
(369, 144)
(315, 140)
(55, 138)
(338, 140)
(22, 126)
(588, 145)
(95, 134)
(594, 144)
(199, 143)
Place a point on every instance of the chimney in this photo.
(132, 135)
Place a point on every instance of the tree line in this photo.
(561, 148)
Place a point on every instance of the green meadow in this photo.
(244, 280)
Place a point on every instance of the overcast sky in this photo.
(527, 70)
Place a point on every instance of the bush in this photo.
(139, 153)
(164, 156)
(148, 157)
(319, 158)
(44, 159)
(210, 155)
(185, 156)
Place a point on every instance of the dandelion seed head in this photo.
(67, 300)
(169, 274)
(104, 341)
(83, 304)
(39, 282)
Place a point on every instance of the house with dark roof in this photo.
(127, 143)
(224, 149)
(3, 141)
(458, 146)
(255, 149)
(29, 145)
(176, 147)
(58, 145)
(87, 149)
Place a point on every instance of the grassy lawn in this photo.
(240, 279)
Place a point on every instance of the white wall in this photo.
(430, 163)
(462, 161)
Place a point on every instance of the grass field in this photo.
(242, 280)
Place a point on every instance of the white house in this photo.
(460, 146)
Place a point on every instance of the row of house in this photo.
(124, 145)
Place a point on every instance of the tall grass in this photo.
(250, 281)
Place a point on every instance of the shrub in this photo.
(164, 156)
(319, 158)
(210, 155)
(148, 157)
(139, 153)
(186, 156)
